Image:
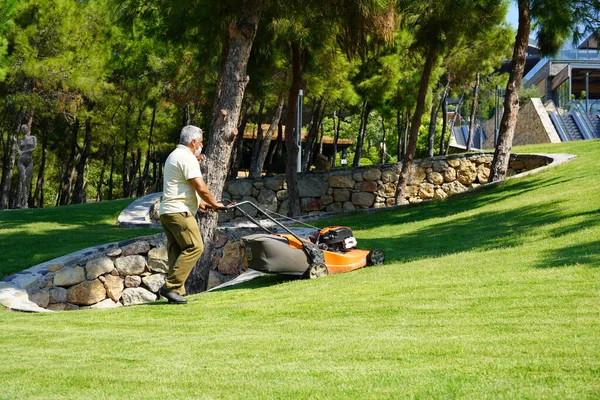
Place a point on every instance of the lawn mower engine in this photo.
(336, 238)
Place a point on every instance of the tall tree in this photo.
(7, 13)
(555, 21)
(223, 128)
(473, 110)
(480, 56)
(257, 167)
(438, 28)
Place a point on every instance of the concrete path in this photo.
(137, 214)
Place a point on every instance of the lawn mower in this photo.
(330, 250)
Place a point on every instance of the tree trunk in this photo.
(313, 132)
(399, 132)
(277, 150)
(112, 172)
(236, 151)
(453, 123)
(220, 141)
(130, 168)
(9, 164)
(125, 166)
(444, 122)
(382, 149)
(336, 136)
(257, 141)
(38, 197)
(222, 63)
(364, 115)
(473, 111)
(511, 101)
(322, 135)
(78, 193)
(141, 189)
(255, 172)
(432, 125)
(136, 160)
(406, 132)
(291, 144)
(430, 61)
(435, 108)
(67, 178)
(99, 188)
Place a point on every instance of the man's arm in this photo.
(204, 193)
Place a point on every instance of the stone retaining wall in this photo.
(120, 274)
(124, 273)
(373, 186)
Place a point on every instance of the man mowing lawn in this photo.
(184, 191)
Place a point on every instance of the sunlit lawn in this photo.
(493, 295)
(29, 237)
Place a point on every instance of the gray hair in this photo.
(189, 133)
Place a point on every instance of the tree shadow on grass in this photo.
(592, 218)
(481, 231)
(457, 204)
(584, 253)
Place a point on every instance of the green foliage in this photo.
(487, 100)
(116, 62)
(528, 93)
(7, 12)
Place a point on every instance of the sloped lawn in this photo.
(30, 237)
(492, 295)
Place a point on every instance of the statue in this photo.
(25, 164)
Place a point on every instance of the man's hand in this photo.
(202, 207)
(218, 205)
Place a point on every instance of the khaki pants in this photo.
(184, 247)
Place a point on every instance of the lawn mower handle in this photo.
(314, 254)
(232, 205)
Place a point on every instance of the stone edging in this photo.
(137, 214)
(13, 289)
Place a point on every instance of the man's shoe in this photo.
(172, 297)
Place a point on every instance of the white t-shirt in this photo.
(179, 194)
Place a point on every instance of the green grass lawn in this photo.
(30, 237)
(492, 295)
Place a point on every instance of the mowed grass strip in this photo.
(492, 295)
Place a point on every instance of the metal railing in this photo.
(593, 105)
(578, 54)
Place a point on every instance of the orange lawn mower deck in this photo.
(330, 250)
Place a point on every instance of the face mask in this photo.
(198, 152)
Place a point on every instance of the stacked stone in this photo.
(229, 260)
(123, 275)
(370, 187)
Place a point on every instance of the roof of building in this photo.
(326, 139)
